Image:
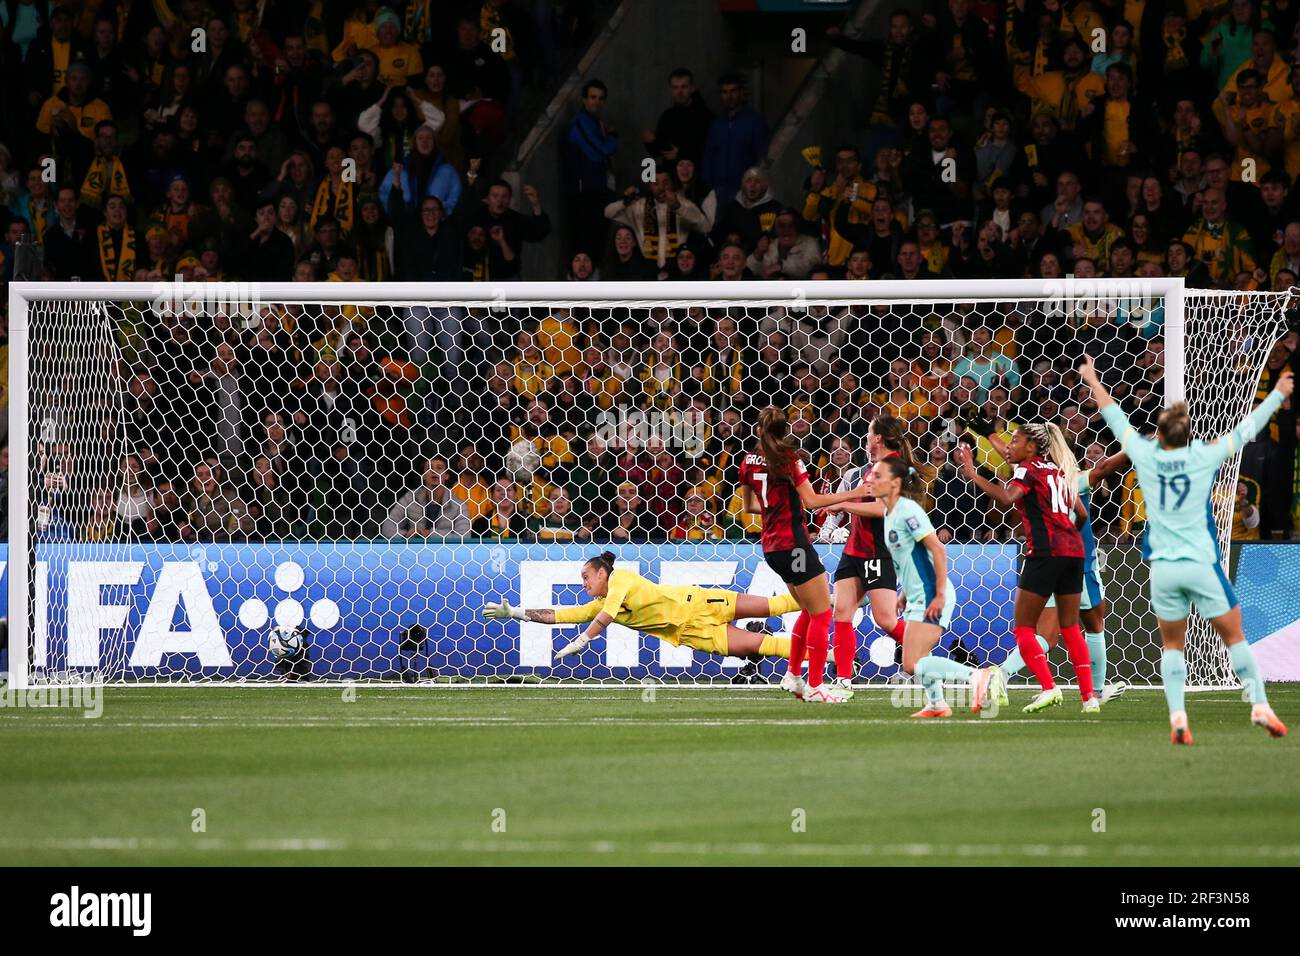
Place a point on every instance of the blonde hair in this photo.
(1174, 424)
(1051, 442)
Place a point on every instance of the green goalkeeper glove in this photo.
(502, 612)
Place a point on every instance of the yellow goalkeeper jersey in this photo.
(642, 605)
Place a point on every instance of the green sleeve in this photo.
(1250, 426)
(1134, 445)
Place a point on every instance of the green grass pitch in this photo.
(574, 775)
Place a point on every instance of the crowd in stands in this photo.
(348, 141)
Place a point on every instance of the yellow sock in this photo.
(781, 604)
(775, 647)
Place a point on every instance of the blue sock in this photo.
(932, 671)
(1015, 663)
(1247, 671)
(1173, 671)
(1097, 652)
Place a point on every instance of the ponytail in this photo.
(1052, 444)
(892, 432)
(907, 474)
(775, 442)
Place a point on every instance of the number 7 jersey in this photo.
(784, 527)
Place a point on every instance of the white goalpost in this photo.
(278, 483)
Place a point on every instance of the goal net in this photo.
(324, 481)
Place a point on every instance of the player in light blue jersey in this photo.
(1092, 600)
(1177, 476)
(921, 566)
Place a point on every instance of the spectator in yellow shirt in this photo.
(73, 108)
(1092, 237)
(1063, 93)
(1245, 511)
(557, 336)
(359, 31)
(474, 493)
(532, 372)
(1132, 507)
(1222, 245)
(697, 524)
(1250, 123)
(824, 199)
(1274, 71)
(746, 523)
(663, 369)
(934, 252)
(399, 62)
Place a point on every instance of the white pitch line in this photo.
(507, 845)
(327, 723)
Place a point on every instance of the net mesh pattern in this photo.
(362, 478)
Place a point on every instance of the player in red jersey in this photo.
(1044, 490)
(866, 568)
(776, 485)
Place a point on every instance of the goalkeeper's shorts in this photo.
(708, 612)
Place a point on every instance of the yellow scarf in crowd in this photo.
(313, 30)
(482, 271)
(417, 24)
(117, 265)
(106, 177)
(340, 208)
(38, 216)
(650, 233)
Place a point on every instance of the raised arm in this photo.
(590, 612)
(1088, 372)
(1254, 423)
(1111, 412)
(1005, 495)
(1107, 467)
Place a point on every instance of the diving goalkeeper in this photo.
(700, 618)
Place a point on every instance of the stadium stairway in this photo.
(815, 98)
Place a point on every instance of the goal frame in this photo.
(766, 293)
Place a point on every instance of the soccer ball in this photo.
(286, 642)
(522, 460)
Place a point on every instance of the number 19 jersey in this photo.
(1176, 484)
